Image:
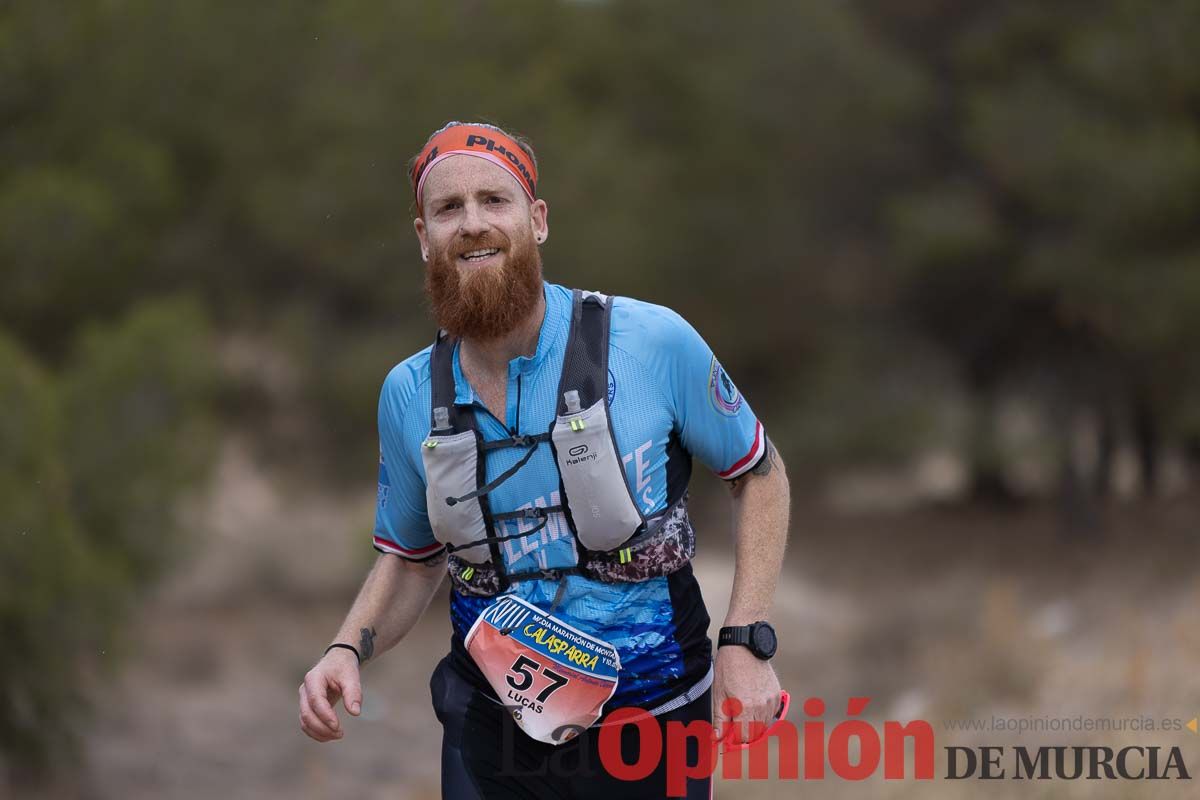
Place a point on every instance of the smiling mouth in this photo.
(479, 255)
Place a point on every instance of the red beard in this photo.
(486, 303)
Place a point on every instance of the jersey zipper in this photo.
(517, 427)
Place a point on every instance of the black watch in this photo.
(759, 637)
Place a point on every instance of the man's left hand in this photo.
(753, 683)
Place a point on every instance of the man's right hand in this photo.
(334, 676)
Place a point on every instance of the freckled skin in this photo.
(464, 196)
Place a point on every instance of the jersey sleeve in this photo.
(713, 419)
(401, 521)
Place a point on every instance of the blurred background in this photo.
(949, 250)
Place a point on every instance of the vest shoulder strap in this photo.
(585, 363)
(441, 385)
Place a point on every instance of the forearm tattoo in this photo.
(763, 467)
(366, 643)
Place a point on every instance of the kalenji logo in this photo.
(584, 457)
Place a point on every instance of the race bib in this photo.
(554, 678)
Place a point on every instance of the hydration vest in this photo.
(614, 541)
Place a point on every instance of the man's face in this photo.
(479, 236)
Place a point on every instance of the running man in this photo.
(539, 453)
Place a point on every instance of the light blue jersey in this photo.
(669, 400)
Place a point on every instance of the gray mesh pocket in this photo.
(451, 471)
(594, 479)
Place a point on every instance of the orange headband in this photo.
(475, 140)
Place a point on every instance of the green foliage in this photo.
(91, 466)
(1057, 235)
(56, 588)
(134, 425)
(52, 223)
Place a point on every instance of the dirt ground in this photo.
(938, 615)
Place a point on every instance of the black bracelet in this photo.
(349, 647)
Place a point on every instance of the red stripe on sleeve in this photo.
(748, 459)
(392, 547)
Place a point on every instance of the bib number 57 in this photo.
(520, 677)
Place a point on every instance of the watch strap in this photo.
(734, 635)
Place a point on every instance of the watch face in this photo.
(764, 640)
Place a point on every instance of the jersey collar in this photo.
(554, 324)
